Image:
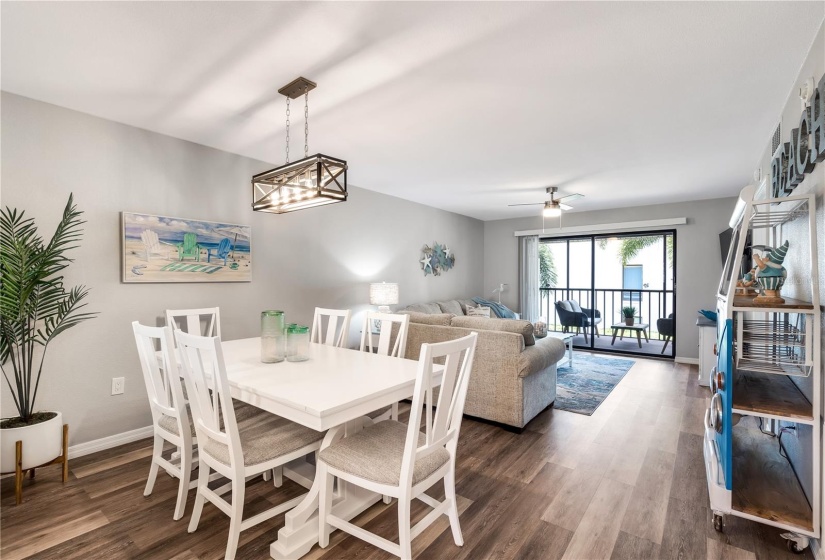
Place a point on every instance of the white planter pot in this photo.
(41, 443)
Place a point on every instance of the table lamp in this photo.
(383, 295)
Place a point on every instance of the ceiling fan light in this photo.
(551, 211)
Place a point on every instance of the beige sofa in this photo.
(514, 374)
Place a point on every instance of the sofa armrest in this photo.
(596, 313)
(545, 353)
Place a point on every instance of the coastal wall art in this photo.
(436, 259)
(166, 249)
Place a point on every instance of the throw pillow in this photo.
(565, 305)
(451, 306)
(466, 304)
(574, 305)
(429, 308)
(524, 328)
(478, 311)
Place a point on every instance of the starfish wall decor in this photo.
(436, 259)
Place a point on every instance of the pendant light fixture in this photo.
(306, 183)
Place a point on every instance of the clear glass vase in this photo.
(273, 339)
(297, 344)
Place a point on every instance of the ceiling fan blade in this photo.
(570, 197)
(565, 207)
(527, 204)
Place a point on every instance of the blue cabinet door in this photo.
(724, 363)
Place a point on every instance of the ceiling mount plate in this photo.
(297, 87)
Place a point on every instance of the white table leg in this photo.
(570, 351)
(300, 530)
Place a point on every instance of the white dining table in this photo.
(333, 391)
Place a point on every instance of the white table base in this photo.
(300, 531)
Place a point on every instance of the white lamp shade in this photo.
(382, 293)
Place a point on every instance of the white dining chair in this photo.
(387, 346)
(235, 451)
(398, 460)
(205, 321)
(336, 323)
(170, 418)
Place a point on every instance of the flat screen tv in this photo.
(724, 246)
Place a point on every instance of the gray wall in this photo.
(698, 261)
(325, 256)
(799, 445)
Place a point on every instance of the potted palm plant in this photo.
(629, 314)
(35, 307)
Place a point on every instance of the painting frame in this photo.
(157, 249)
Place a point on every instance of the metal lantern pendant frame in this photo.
(309, 182)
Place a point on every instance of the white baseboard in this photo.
(108, 442)
(683, 360)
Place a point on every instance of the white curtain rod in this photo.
(596, 228)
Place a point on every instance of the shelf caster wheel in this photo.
(796, 543)
(718, 523)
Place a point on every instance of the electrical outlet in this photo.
(118, 385)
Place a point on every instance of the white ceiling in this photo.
(462, 106)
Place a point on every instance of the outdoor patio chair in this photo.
(189, 248)
(221, 252)
(666, 327)
(571, 314)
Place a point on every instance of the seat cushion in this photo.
(242, 412)
(375, 454)
(264, 437)
(565, 305)
(574, 306)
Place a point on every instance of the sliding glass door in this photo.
(619, 290)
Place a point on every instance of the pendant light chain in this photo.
(287, 129)
(306, 122)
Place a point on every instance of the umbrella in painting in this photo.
(237, 231)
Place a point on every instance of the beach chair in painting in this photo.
(189, 248)
(221, 252)
(152, 245)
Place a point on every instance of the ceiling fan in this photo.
(554, 206)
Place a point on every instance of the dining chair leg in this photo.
(157, 450)
(394, 415)
(183, 487)
(324, 505)
(203, 482)
(404, 528)
(278, 476)
(449, 493)
(238, 492)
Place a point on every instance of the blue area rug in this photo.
(583, 387)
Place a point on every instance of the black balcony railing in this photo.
(650, 305)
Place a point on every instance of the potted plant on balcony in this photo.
(629, 314)
(35, 308)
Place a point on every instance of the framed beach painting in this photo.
(165, 249)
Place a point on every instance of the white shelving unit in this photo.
(774, 347)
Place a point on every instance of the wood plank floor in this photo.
(626, 482)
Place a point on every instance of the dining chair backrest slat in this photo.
(442, 426)
(164, 391)
(192, 319)
(389, 325)
(203, 368)
(336, 330)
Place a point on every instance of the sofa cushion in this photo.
(440, 319)
(429, 308)
(451, 306)
(565, 305)
(466, 304)
(574, 306)
(524, 328)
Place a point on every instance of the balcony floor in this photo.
(627, 344)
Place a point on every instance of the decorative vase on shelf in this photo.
(771, 275)
(540, 328)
